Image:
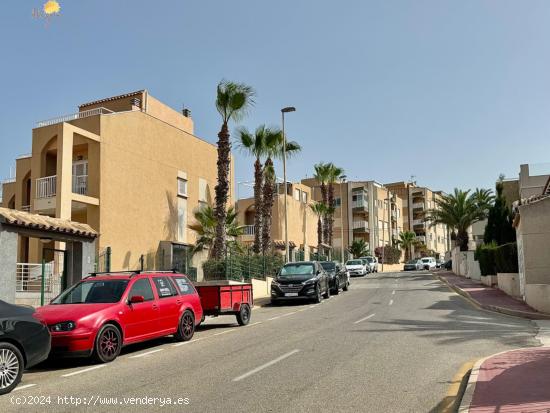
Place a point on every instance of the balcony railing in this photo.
(360, 226)
(418, 222)
(249, 230)
(74, 116)
(80, 184)
(46, 187)
(418, 205)
(26, 208)
(360, 203)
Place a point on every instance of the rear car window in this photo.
(142, 287)
(184, 285)
(164, 287)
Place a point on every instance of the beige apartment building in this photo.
(131, 168)
(416, 201)
(302, 222)
(364, 210)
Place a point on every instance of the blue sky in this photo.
(453, 92)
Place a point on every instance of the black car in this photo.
(300, 280)
(338, 277)
(24, 342)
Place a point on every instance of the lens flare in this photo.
(51, 7)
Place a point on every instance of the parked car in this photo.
(439, 263)
(448, 265)
(428, 263)
(372, 263)
(366, 264)
(356, 267)
(300, 280)
(104, 312)
(413, 265)
(338, 276)
(24, 342)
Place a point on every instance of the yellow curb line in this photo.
(452, 397)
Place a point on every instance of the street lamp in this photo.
(342, 182)
(283, 111)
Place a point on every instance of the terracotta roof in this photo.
(42, 222)
(126, 95)
(281, 244)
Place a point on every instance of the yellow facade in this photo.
(129, 166)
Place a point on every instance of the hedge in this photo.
(391, 254)
(485, 255)
(506, 258)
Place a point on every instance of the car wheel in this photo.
(108, 344)
(186, 327)
(336, 290)
(318, 297)
(327, 292)
(243, 316)
(11, 367)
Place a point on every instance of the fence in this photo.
(103, 260)
(243, 266)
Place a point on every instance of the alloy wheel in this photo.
(109, 343)
(9, 368)
(187, 325)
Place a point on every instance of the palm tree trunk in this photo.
(324, 195)
(319, 232)
(331, 205)
(258, 196)
(267, 207)
(222, 190)
(462, 240)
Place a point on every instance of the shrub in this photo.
(238, 266)
(485, 254)
(391, 254)
(506, 258)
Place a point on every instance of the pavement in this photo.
(515, 381)
(392, 343)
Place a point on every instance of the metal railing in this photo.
(8, 180)
(418, 222)
(80, 184)
(26, 208)
(46, 187)
(361, 225)
(249, 230)
(74, 116)
(418, 205)
(360, 203)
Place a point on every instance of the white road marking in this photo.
(26, 386)
(222, 332)
(146, 354)
(391, 302)
(363, 319)
(188, 342)
(254, 324)
(393, 292)
(74, 373)
(281, 316)
(263, 366)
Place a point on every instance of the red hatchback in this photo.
(104, 312)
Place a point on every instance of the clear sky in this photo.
(453, 92)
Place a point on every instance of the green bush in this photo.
(506, 258)
(242, 267)
(485, 255)
(391, 254)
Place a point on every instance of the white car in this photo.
(356, 268)
(429, 263)
(372, 263)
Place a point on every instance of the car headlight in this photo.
(310, 281)
(63, 326)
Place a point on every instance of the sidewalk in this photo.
(515, 381)
(489, 298)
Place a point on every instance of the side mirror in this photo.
(136, 299)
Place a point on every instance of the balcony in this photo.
(418, 222)
(360, 226)
(249, 230)
(360, 205)
(418, 205)
(47, 187)
(394, 214)
(80, 184)
(74, 116)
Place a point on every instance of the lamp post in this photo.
(342, 182)
(283, 111)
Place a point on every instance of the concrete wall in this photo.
(530, 185)
(509, 283)
(538, 297)
(261, 288)
(8, 264)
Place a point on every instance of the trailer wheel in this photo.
(243, 316)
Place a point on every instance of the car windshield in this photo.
(93, 292)
(297, 270)
(411, 262)
(354, 262)
(425, 260)
(329, 266)
(369, 259)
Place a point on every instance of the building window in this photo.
(297, 194)
(304, 197)
(182, 187)
(338, 202)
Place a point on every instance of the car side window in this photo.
(142, 287)
(184, 285)
(164, 287)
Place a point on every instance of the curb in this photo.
(506, 311)
(262, 302)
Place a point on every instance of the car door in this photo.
(140, 319)
(169, 302)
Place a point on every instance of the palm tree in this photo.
(257, 145)
(274, 149)
(206, 228)
(334, 174)
(320, 210)
(458, 211)
(322, 175)
(358, 248)
(406, 241)
(232, 102)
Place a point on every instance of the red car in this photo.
(104, 312)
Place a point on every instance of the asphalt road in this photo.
(391, 343)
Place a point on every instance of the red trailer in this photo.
(223, 297)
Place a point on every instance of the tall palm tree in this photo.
(358, 248)
(233, 101)
(206, 224)
(322, 175)
(406, 241)
(319, 209)
(274, 151)
(458, 211)
(334, 175)
(256, 144)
